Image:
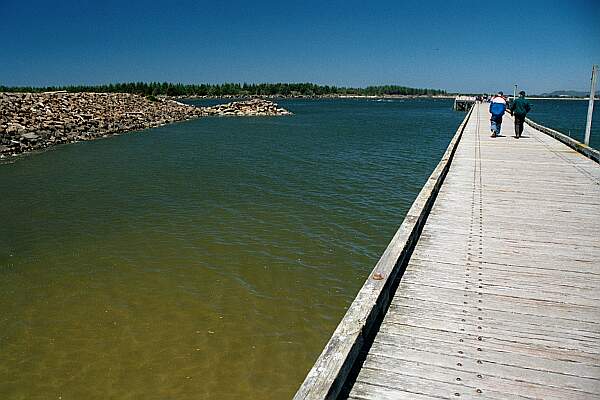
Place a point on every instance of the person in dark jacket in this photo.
(520, 107)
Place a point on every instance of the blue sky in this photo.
(452, 45)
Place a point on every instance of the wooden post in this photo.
(588, 125)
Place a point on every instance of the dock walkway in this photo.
(501, 296)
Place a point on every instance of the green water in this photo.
(568, 117)
(208, 259)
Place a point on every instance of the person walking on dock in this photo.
(497, 109)
(520, 107)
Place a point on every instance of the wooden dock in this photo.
(499, 296)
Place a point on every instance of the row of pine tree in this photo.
(231, 89)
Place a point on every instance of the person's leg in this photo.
(493, 127)
(522, 123)
(519, 126)
(499, 126)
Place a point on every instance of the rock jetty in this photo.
(253, 107)
(34, 121)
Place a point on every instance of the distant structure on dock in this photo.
(463, 103)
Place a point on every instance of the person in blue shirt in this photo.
(497, 109)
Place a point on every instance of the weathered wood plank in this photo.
(483, 310)
(395, 374)
(581, 284)
(482, 366)
(366, 391)
(501, 356)
(507, 344)
(487, 320)
(589, 345)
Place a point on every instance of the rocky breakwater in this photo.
(33, 121)
(253, 107)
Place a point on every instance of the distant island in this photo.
(565, 93)
(232, 90)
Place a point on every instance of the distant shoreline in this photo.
(34, 121)
(291, 97)
(560, 98)
(389, 96)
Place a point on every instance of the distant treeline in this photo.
(232, 89)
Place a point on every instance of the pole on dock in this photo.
(515, 92)
(588, 125)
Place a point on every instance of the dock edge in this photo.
(328, 375)
(587, 151)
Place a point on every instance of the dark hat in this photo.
(501, 93)
(522, 93)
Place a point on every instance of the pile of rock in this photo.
(253, 107)
(33, 121)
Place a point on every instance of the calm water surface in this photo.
(208, 259)
(568, 117)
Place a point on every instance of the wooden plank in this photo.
(545, 280)
(518, 334)
(437, 382)
(553, 235)
(510, 258)
(394, 373)
(551, 310)
(507, 344)
(493, 283)
(482, 366)
(488, 319)
(540, 318)
(367, 391)
(478, 350)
